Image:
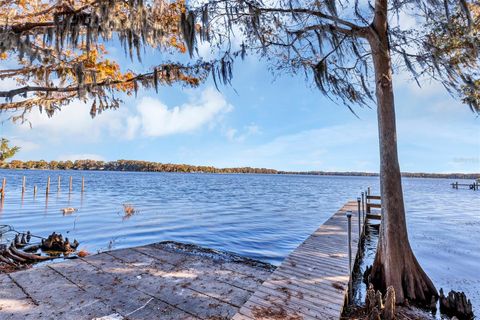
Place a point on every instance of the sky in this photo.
(262, 120)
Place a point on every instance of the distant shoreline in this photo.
(146, 166)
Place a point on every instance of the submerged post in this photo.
(23, 185)
(359, 221)
(4, 183)
(83, 184)
(70, 187)
(48, 186)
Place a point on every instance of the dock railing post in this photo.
(363, 202)
(359, 221)
(349, 218)
(363, 209)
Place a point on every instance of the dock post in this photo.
(368, 191)
(70, 187)
(83, 184)
(349, 216)
(58, 185)
(363, 209)
(23, 185)
(34, 190)
(48, 186)
(363, 202)
(359, 222)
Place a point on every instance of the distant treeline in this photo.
(127, 165)
(372, 174)
(147, 166)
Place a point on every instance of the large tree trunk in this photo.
(395, 264)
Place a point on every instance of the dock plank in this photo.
(147, 282)
(312, 282)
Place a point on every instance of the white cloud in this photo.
(155, 119)
(24, 145)
(350, 146)
(73, 120)
(151, 118)
(234, 134)
(85, 156)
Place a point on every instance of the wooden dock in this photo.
(158, 281)
(175, 281)
(312, 282)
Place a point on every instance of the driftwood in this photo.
(28, 256)
(22, 253)
(55, 242)
(456, 304)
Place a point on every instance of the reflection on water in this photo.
(260, 216)
(369, 246)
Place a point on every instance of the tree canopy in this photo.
(57, 51)
(328, 41)
(7, 151)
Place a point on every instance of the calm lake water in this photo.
(263, 217)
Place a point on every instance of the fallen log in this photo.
(28, 256)
(14, 257)
(7, 260)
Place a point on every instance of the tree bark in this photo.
(395, 264)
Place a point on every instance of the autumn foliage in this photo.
(57, 50)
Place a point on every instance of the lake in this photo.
(264, 217)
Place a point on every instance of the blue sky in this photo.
(261, 121)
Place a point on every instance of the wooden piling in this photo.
(70, 187)
(34, 190)
(4, 183)
(23, 185)
(48, 186)
(58, 185)
(83, 184)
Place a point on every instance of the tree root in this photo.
(378, 308)
(456, 304)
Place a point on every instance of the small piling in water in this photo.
(23, 185)
(48, 187)
(70, 187)
(34, 190)
(4, 183)
(58, 185)
(83, 184)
